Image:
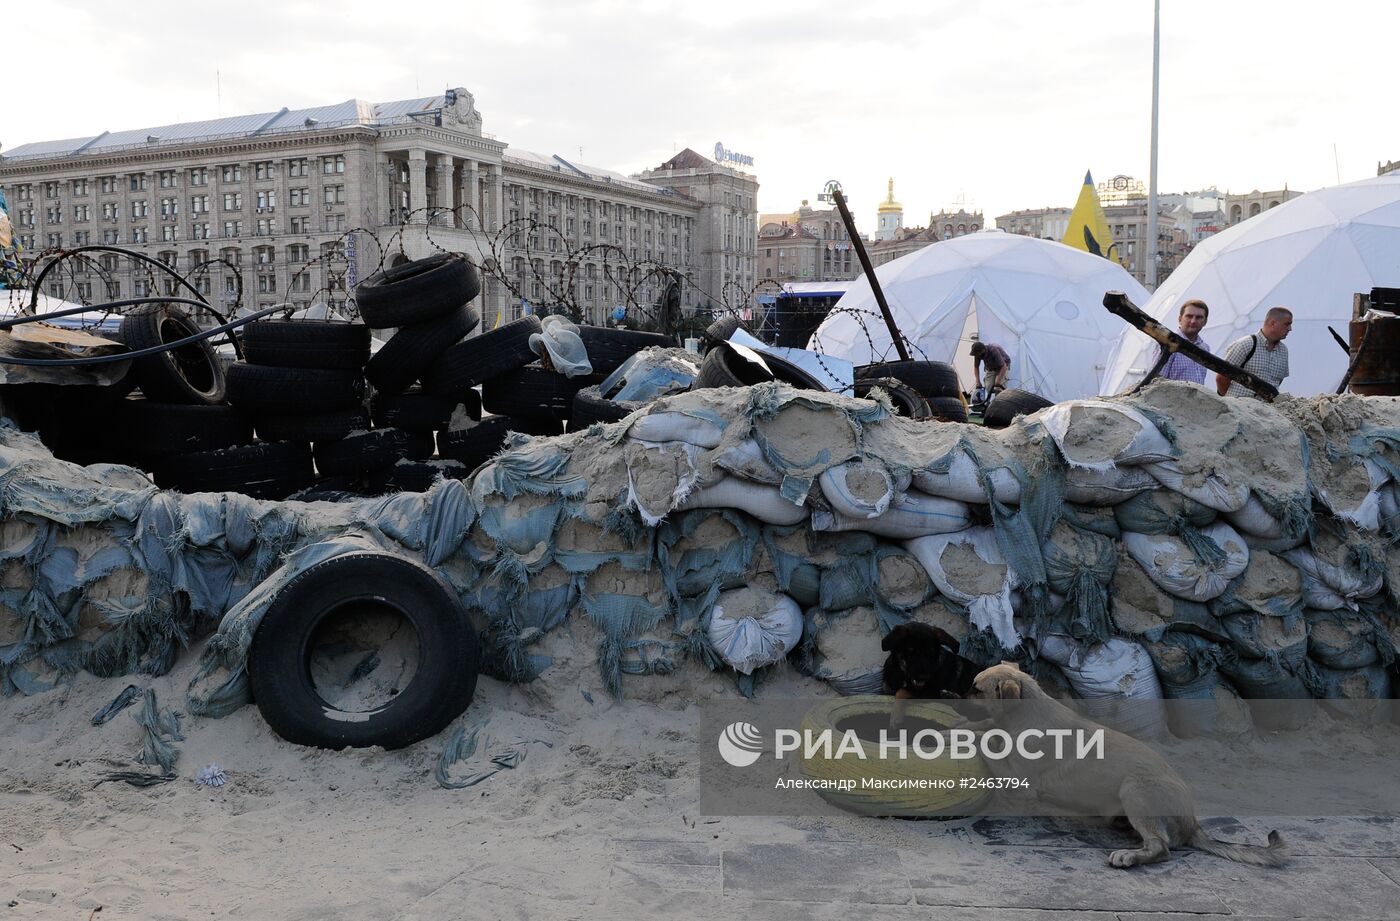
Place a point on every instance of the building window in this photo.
(199, 231)
(263, 255)
(51, 189)
(267, 199)
(298, 252)
(201, 284)
(80, 187)
(299, 197)
(199, 176)
(24, 192)
(233, 228)
(199, 204)
(169, 232)
(53, 215)
(55, 240)
(140, 235)
(297, 168)
(301, 225)
(82, 238)
(264, 170)
(333, 194)
(302, 282)
(233, 201)
(136, 182)
(111, 237)
(333, 165)
(140, 209)
(82, 212)
(141, 287)
(169, 208)
(267, 226)
(335, 223)
(232, 173)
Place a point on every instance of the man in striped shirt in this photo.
(1190, 320)
(1263, 354)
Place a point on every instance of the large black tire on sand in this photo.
(356, 618)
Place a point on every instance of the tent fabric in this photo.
(1310, 254)
(1041, 301)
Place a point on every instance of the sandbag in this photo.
(1080, 566)
(1389, 509)
(1209, 489)
(1205, 704)
(847, 650)
(746, 461)
(1343, 639)
(1269, 586)
(911, 514)
(1359, 694)
(659, 475)
(1100, 435)
(1106, 487)
(765, 503)
(1260, 637)
(1350, 487)
(900, 580)
(1115, 669)
(969, 568)
(754, 626)
(1262, 529)
(1332, 575)
(1162, 511)
(962, 483)
(860, 488)
(1170, 562)
(1098, 519)
(663, 426)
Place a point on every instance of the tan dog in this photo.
(1131, 780)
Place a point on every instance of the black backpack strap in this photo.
(1253, 347)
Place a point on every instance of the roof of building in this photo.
(342, 114)
(558, 164)
(688, 159)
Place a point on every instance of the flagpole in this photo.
(1151, 272)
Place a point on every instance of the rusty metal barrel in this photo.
(1377, 371)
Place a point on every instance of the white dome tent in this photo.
(1310, 255)
(1041, 301)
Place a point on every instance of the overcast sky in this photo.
(1001, 105)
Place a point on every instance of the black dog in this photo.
(924, 663)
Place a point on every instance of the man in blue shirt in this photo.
(1191, 319)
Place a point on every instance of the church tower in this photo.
(891, 216)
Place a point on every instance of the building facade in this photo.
(889, 216)
(1243, 207)
(1390, 166)
(809, 245)
(298, 206)
(1041, 223)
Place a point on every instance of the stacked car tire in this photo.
(936, 381)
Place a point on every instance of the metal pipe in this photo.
(1151, 272)
(850, 223)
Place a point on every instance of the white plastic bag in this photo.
(751, 627)
(1100, 435)
(1169, 562)
(961, 483)
(559, 339)
(967, 566)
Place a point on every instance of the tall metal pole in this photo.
(1151, 274)
(850, 223)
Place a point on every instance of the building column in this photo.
(418, 185)
(446, 191)
(384, 171)
(495, 197)
(470, 199)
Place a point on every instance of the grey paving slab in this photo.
(1346, 836)
(690, 853)
(1062, 879)
(676, 876)
(816, 871)
(1389, 866)
(1306, 887)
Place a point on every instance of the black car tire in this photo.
(948, 409)
(483, 357)
(416, 410)
(931, 378)
(907, 401)
(366, 452)
(293, 391)
(608, 348)
(590, 407)
(147, 429)
(534, 392)
(411, 351)
(416, 291)
(306, 344)
(280, 657)
(190, 374)
(317, 427)
(265, 470)
(1007, 405)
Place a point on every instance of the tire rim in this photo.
(361, 655)
(191, 361)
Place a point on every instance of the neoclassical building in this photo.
(305, 203)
